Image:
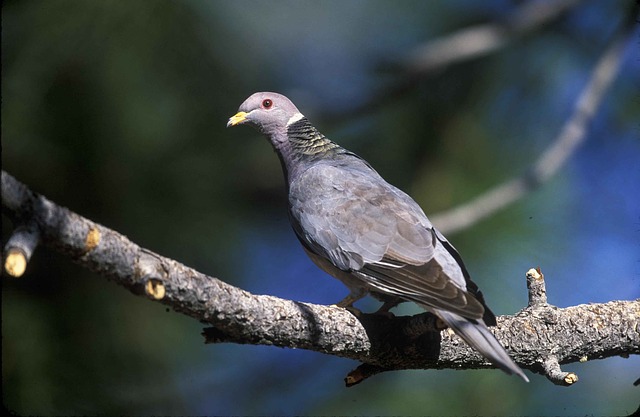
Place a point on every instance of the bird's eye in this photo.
(267, 103)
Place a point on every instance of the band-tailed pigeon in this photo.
(366, 232)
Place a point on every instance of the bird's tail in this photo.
(478, 336)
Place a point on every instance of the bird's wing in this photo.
(365, 226)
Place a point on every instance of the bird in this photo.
(367, 233)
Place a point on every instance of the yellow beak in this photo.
(237, 118)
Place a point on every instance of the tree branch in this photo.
(555, 156)
(485, 38)
(465, 44)
(539, 337)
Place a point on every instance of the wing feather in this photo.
(375, 232)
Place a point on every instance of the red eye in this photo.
(267, 103)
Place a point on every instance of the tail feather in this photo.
(478, 336)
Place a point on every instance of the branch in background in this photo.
(483, 39)
(554, 157)
(465, 44)
(539, 338)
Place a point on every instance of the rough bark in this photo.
(539, 338)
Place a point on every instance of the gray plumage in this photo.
(367, 233)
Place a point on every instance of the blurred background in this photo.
(117, 110)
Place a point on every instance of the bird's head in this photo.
(270, 113)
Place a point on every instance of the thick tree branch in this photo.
(539, 338)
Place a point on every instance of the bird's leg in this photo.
(388, 302)
(352, 297)
(385, 307)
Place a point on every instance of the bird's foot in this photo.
(384, 309)
(384, 312)
(353, 296)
